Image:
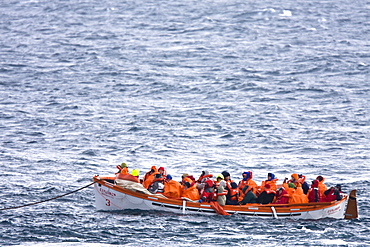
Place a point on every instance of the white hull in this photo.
(111, 197)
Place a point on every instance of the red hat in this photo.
(267, 186)
(161, 169)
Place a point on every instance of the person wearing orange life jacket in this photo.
(247, 180)
(149, 177)
(227, 179)
(157, 185)
(298, 196)
(133, 177)
(190, 192)
(185, 178)
(300, 179)
(271, 180)
(232, 195)
(289, 188)
(247, 196)
(314, 194)
(172, 188)
(267, 195)
(220, 193)
(322, 187)
(123, 168)
(229, 187)
(162, 171)
(219, 178)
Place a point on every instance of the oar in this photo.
(218, 209)
(351, 211)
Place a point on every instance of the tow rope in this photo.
(50, 199)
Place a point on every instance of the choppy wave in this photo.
(216, 85)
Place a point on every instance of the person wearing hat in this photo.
(247, 181)
(133, 177)
(289, 187)
(300, 179)
(219, 178)
(123, 168)
(271, 180)
(157, 186)
(314, 194)
(172, 188)
(190, 192)
(187, 178)
(149, 177)
(162, 171)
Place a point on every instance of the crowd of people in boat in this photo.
(225, 191)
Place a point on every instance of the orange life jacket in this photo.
(123, 170)
(234, 194)
(322, 187)
(216, 194)
(149, 177)
(252, 185)
(272, 184)
(298, 196)
(204, 176)
(172, 189)
(191, 193)
(216, 184)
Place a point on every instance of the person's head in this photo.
(169, 177)
(161, 170)
(315, 183)
(184, 175)
(135, 172)
(123, 165)
(267, 186)
(226, 175)
(186, 185)
(320, 178)
(280, 191)
(219, 177)
(153, 169)
(270, 176)
(295, 177)
(209, 183)
(246, 176)
(338, 187)
(291, 185)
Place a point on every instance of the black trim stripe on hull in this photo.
(200, 210)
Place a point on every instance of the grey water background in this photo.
(265, 86)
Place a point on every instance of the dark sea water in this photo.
(265, 86)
